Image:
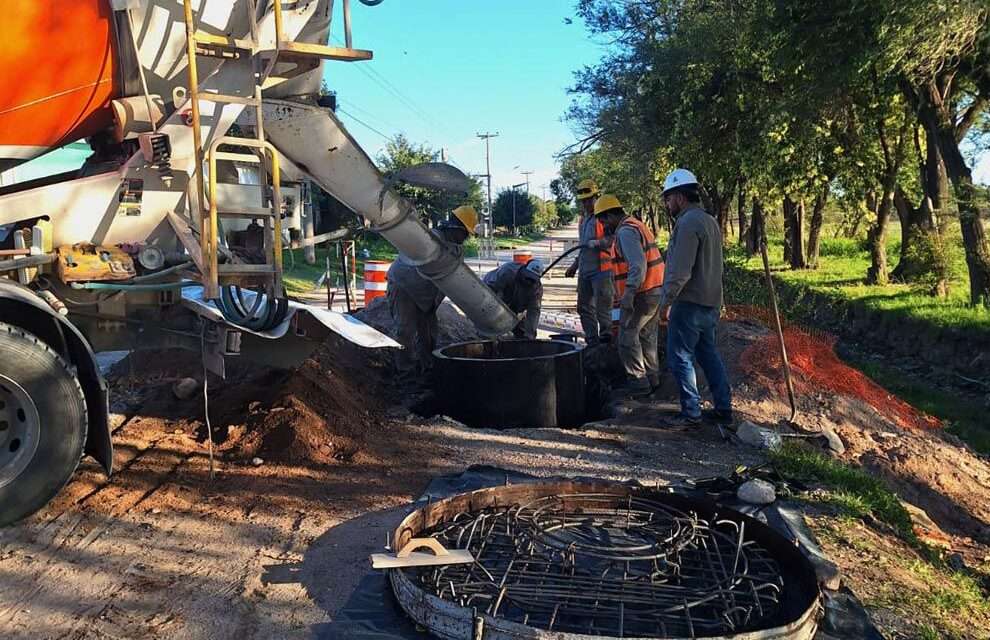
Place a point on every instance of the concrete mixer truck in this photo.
(172, 231)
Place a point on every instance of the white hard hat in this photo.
(535, 266)
(679, 178)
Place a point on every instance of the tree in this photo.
(514, 209)
(433, 205)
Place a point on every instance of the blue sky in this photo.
(445, 70)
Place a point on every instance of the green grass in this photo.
(949, 599)
(962, 417)
(853, 491)
(505, 241)
(841, 275)
(300, 278)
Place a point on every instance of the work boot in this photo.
(718, 416)
(683, 420)
(634, 388)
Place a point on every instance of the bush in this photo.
(842, 247)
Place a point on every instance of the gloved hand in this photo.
(571, 270)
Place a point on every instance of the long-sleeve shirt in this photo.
(693, 269)
(404, 275)
(631, 245)
(504, 281)
(589, 260)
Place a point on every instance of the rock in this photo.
(185, 388)
(956, 562)
(756, 491)
(178, 432)
(827, 573)
(257, 462)
(758, 437)
(832, 441)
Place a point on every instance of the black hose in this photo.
(559, 258)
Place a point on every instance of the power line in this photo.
(406, 101)
(364, 124)
(367, 114)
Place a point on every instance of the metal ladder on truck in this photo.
(249, 295)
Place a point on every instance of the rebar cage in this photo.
(611, 564)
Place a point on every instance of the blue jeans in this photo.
(690, 336)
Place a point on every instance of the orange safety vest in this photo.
(604, 255)
(654, 261)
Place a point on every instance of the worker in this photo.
(519, 286)
(593, 268)
(638, 277)
(692, 293)
(414, 299)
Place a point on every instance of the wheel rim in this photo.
(20, 430)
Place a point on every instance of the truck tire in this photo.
(43, 423)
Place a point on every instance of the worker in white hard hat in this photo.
(638, 276)
(692, 296)
(520, 287)
(593, 268)
(414, 299)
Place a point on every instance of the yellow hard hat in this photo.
(468, 217)
(587, 188)
(606, 203)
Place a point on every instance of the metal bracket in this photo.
(219, 343)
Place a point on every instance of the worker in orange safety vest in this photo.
(593, 268)
(638, 273)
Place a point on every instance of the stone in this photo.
(257, 462)
(827, 572)
(956, 562)
(758, 437)
(756, 491)
(832, 441)
(185, 388)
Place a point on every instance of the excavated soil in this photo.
(926, 466)
(165, 550)
(453, 325)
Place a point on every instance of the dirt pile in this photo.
(453, 325)
(925, 465)
(816, 368)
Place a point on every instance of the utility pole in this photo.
(487, 136)
(514, 187)
(527, 174)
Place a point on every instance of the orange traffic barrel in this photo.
(522, 257)
(375, 282)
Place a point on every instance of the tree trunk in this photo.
(939, 121)
(743, 222)
(788, 249)
(794, 233)
(877, 240)
(973, 231)
(757, 232)
(720, 206)
(815, 230)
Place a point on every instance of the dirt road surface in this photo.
(162, 550)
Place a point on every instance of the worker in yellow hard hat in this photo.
(414, 299)
(593, 267)
(638, 269)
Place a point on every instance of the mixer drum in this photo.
(58, 70)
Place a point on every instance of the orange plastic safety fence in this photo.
(817, 369)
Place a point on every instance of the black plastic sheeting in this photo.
(372, 613)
